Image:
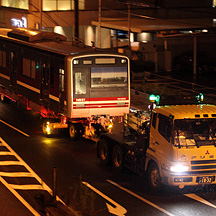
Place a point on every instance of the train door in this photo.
(45, 74)
(12, 69)
(61, 88)
(82, 89)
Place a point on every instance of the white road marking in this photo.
(16, 174)
(199, 199)
(141, 198)
(32, 210)
(6, 163)
(117, 210)
(40, 186)
(14, 128)
(27, 187)
(5, 153)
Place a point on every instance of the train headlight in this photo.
(123, 61)
(76, 62)
(179, 168)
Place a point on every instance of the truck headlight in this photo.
(48, 129)
(179, 168)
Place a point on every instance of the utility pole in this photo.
(129, 25)
(40, 10)
(195, 56)
(99, 26)
(76, 18)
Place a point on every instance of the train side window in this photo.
(28, 68)
(32, 69)
(3, 59)
(61, 80)
(80, 83)
(52, 77)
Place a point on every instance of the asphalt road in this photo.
(82, 182)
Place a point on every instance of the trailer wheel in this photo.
(104, 152)
(4, 99)
(72, 131)
(44, 125)
(117, 158)
(154, 178)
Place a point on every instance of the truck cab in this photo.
(182, 143)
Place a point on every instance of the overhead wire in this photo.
(155, 18)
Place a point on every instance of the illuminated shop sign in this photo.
(19, 23)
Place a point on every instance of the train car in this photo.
(71, 85)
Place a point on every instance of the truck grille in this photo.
(203, 166)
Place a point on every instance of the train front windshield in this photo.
(108, 77)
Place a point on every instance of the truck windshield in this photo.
(197, 132)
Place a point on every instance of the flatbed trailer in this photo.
(123, 150)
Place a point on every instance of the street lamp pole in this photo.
(40, 9)
(76, 18)
(129, 25)
(195, 56)
(99, 26)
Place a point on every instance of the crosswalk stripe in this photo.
(27, 187)
(6, 163)
(16, 174)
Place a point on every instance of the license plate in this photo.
(205, 179)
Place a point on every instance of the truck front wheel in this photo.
(104, 152)
(154, 178)
(117, 158)
(72, 131)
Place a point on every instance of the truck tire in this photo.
(117, 158)
(72, 131)
(154, 178)
(44, 128)
(104, 152)
(4, 99)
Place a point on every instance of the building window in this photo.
(21, 4)
(51, 5)
(3, 59)
(28, 68)
(214, 3)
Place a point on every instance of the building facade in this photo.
(120, 23)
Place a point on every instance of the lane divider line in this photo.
(14, 128)
(199, 199)
(141, 198)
